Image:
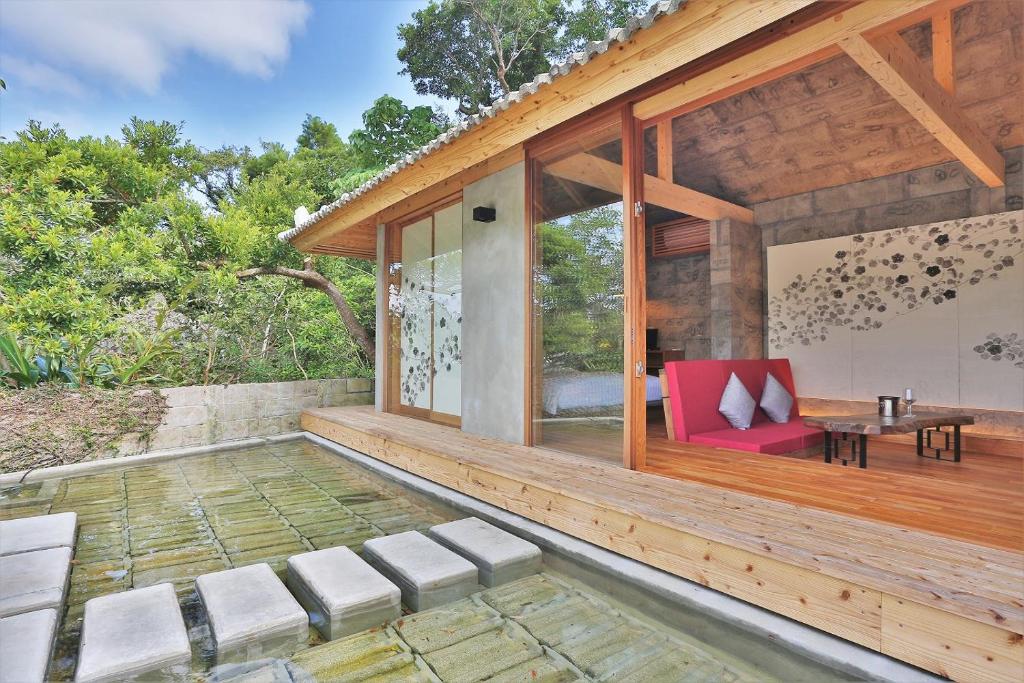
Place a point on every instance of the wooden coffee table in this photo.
(928, 426)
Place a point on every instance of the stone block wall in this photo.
(737, 291)
(678, 303)
(204, 415)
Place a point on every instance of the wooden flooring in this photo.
(943, 604)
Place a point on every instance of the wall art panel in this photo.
(937, 307)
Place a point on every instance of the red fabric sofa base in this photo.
(770, 438)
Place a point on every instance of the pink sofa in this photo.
(695, 390)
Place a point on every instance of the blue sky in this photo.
(235, 72)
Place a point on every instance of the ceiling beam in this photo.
(786, 55)
(593, 171)
(894, 66)
(942, 50)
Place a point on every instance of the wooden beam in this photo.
(588, 169)
(697, 28)
(664, 134)
(942, 50)
(894, 66)
(788, 54)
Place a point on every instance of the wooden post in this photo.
(634, 272)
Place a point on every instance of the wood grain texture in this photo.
(943, 67)
(594, 171)
(876, 424)
(895, 67)
(832, 571)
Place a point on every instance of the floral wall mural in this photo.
(937, 307)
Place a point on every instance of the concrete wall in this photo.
(494, 307)
(203, 415)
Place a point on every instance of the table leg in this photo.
(863, 448)
(828, 446)
(956, 443)
(920, 442)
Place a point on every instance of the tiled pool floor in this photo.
(174, 521)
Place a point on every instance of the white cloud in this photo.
(136, 42)
(23, 73)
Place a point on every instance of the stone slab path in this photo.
(34, 580)
(500, 556)
(428, 573)
(342, 593)
(26, 641)
(251, 613)
(133, 634)
(38, 533)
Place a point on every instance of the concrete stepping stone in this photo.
(26, 643)
(500, 556)
(341, 592)
(429, 574)
(34, 580)
(38, 533)
(251, 613)
(138, 633)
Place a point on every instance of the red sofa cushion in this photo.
(696, 386)
(770, 437)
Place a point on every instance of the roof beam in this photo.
(894, 66)
(942, 50)
(664, 136)
(698, 28)
(588, 169)
(789, 53)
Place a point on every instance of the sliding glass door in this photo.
(578, 296)
(425, 308)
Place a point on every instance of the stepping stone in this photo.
(500, 556)
(26, 643)
(342, 593)
(252, 615)
(138, 633)
(38, 533)
(429, 574)
(34, 581)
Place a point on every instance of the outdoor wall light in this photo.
(484, 214)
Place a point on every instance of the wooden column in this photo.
(635, 274)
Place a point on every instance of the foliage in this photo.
(474, 51)
(580, 293)
(391, 129)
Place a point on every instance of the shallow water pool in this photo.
(176, 520)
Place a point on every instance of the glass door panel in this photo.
(578, 295)
(426, 310)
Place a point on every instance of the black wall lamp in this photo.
(484, 214)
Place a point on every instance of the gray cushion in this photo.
(776, 402)
(737, 405)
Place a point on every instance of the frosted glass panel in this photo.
(448, 310)
(415, 314)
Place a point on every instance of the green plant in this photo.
(17, 366)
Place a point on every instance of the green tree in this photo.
(391, 130)
(474, 51)
(592, 19)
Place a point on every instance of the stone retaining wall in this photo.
(203, 415)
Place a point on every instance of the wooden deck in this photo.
(946, 605)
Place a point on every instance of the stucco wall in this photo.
(203, 415)
(493, 307)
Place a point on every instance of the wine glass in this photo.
(908, 396)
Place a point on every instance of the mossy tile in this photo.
(256, 541)
(483, 656)
(444, 626)
(177, 573)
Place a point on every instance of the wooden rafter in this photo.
(942, 50)
(894, 66)
(664, 136)
(786, 55)
(588, 169)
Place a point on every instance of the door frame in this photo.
(392, 278)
